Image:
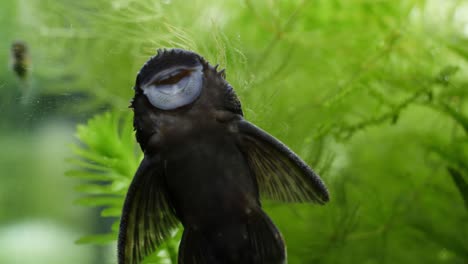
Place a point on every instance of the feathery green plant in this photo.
(365, 91)
(106, 158)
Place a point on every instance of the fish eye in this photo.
(174, 87)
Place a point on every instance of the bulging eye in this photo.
(175, 88)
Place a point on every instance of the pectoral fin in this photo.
(281, 175)
(147, 217)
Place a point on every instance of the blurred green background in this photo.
(373, 94)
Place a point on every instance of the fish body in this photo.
(20, 59)
(207, 167)
(214, 194)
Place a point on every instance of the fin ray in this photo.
(281, 175)
(147, 217)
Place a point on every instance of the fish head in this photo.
(177, 92)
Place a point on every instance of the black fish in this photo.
(207, 167)
(20, 59)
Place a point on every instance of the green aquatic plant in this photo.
(106, 158)
(373, 94)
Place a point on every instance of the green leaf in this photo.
(93, 201)
(111, 212)
(97, 239)
(104, 162)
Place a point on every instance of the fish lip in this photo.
(172, 96)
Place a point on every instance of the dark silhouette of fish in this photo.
(207, 167)
(20, 59)
(21, 66)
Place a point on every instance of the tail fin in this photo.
(254, 241)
